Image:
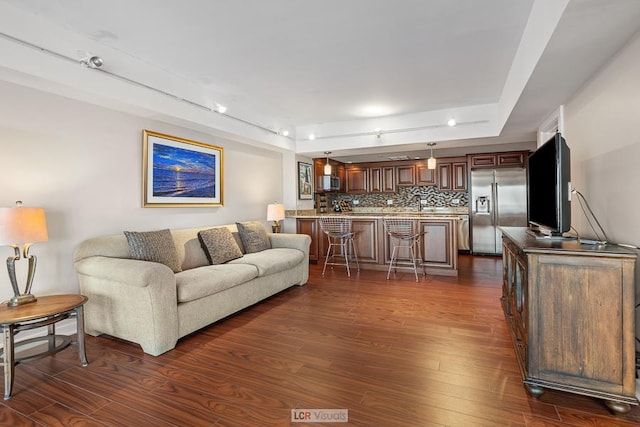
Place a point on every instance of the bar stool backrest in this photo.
(335, 225)
(401, 228)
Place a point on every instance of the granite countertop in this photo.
(440, 213)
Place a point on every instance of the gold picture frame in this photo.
(178, 172)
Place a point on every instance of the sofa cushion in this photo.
(271, 261)
(211, 279)
(155, 246)
(254, 236)
(219, 245)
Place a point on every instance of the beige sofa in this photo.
(147, 303)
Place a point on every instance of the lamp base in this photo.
(276, 228)
(21, 300)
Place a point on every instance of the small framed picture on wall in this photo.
(305, 177)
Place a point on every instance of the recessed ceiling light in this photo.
(221, 108)
(451, 122)
(285, 133)
(374, 110)
(311, 137)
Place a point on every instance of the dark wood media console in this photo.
(570, 312)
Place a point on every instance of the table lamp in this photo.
(275, 213)
(22, 226)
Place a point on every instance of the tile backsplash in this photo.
(406, 197)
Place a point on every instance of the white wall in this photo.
(601, 128)
(83, 165)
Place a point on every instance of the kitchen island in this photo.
(439, 244)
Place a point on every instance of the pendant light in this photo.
(431, 163)
(327, 166)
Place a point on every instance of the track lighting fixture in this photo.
(93, 61)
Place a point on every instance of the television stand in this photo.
(556, 299)
(538, 235)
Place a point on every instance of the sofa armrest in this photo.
(126, 271)
(302, 242)
(293, 241)
(130, 299)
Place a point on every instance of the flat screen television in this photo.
(549, 187)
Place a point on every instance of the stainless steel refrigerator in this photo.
(498, 199)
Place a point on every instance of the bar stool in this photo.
(339, 235)
(407, 235)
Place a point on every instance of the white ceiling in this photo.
(333, 67)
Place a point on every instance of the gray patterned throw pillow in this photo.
(254, 236)
(219, 245)
(155, 246)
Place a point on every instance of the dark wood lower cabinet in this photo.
(570, 312)
(366, 240)
(439, 247)
(438, 243)
(309, 226)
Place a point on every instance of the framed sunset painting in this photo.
(178, 172)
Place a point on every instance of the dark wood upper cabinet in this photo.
(388, 179)
(342, 176)
(444, 177)
(482, 160)
(490, 160)
(337, 169)
(406, 175)
(424, 175)
(459, 176)
(511, 159)
(375, 180)
(357, 180)
(452, 174)
(382, 180)
(318, 173)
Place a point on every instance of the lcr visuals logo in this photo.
(319, 415)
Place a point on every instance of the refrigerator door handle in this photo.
(496, 214)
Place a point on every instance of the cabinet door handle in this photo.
(518, 283)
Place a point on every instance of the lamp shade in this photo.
(22, 225)
(275, 212)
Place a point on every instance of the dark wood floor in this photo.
(394, 353)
